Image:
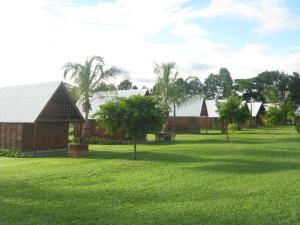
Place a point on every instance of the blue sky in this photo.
(246, 36)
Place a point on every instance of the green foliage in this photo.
(13, 154)
(230, 111)
(125, 85)
(274, 117)
(271, 94)
(288, 110)
(136, 115)
(297, 125)
(218, 85)
(233, 127)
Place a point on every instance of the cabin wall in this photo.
(48, 136)
(94, 131)
(193, 124)
(11, 136)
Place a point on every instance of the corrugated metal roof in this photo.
(23, 104)
(191, 108)
(212, 109)
(103, 97)
(297, 113)
(255, 108)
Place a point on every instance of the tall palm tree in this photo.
(165, 87)
(87, 78)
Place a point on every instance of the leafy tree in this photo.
(247, 89)
(218, 85)
(271, 94)
(165, 87)
(230, 112)
(105, 87)
(211, 86)
(87, 78)
(293, 88)
(194, 86)
(136, 115)
(134, 87)
(125, 85)
(274, 117)
(288, 110)
(224, 83)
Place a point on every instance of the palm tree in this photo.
(166, 88)
(87, 78)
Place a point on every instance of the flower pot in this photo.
(78, 150)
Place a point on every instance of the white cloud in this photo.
(271, 15)
(39, 36)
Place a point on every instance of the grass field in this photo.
(199, 179)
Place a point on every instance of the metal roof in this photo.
(23, 104)
(270, 105)
(255, 108)
(212, 109)
(191, 108)
(103, 97)
(297, 112)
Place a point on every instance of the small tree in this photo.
(230, 112)
(274, 117)
(136, 115)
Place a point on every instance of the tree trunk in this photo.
(86, 109)
(134, 147)
(174, 117)
(227, 134)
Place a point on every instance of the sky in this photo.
(246, 36)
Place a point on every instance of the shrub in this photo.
(12, 154)
(297, 126)
(233, 127)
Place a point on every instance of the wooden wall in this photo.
(193, 124)
(49, 136)
(94, 131)
(11, 136)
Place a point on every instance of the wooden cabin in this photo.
(212, 117)
(188, 116)
(36, 117)
(94, 130)
(257, 111)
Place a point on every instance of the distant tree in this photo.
(136, 115)
(125, 85)
(224, 83)
(211, 86)
(86, 78)
(247, 89)
(105, 87)
(134, 87)
(293, 88)
(218, 85)
(194, 86)
(230, 112)
(271, 94)
(288, 110)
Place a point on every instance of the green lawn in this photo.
(199, 179)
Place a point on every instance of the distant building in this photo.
(94, 130)
(187, 116)
(36, 117)
(257, 110)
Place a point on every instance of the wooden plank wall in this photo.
(49, 136)
(11, 136)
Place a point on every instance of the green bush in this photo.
(233, 127)
(13, 154)
(297, 126)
